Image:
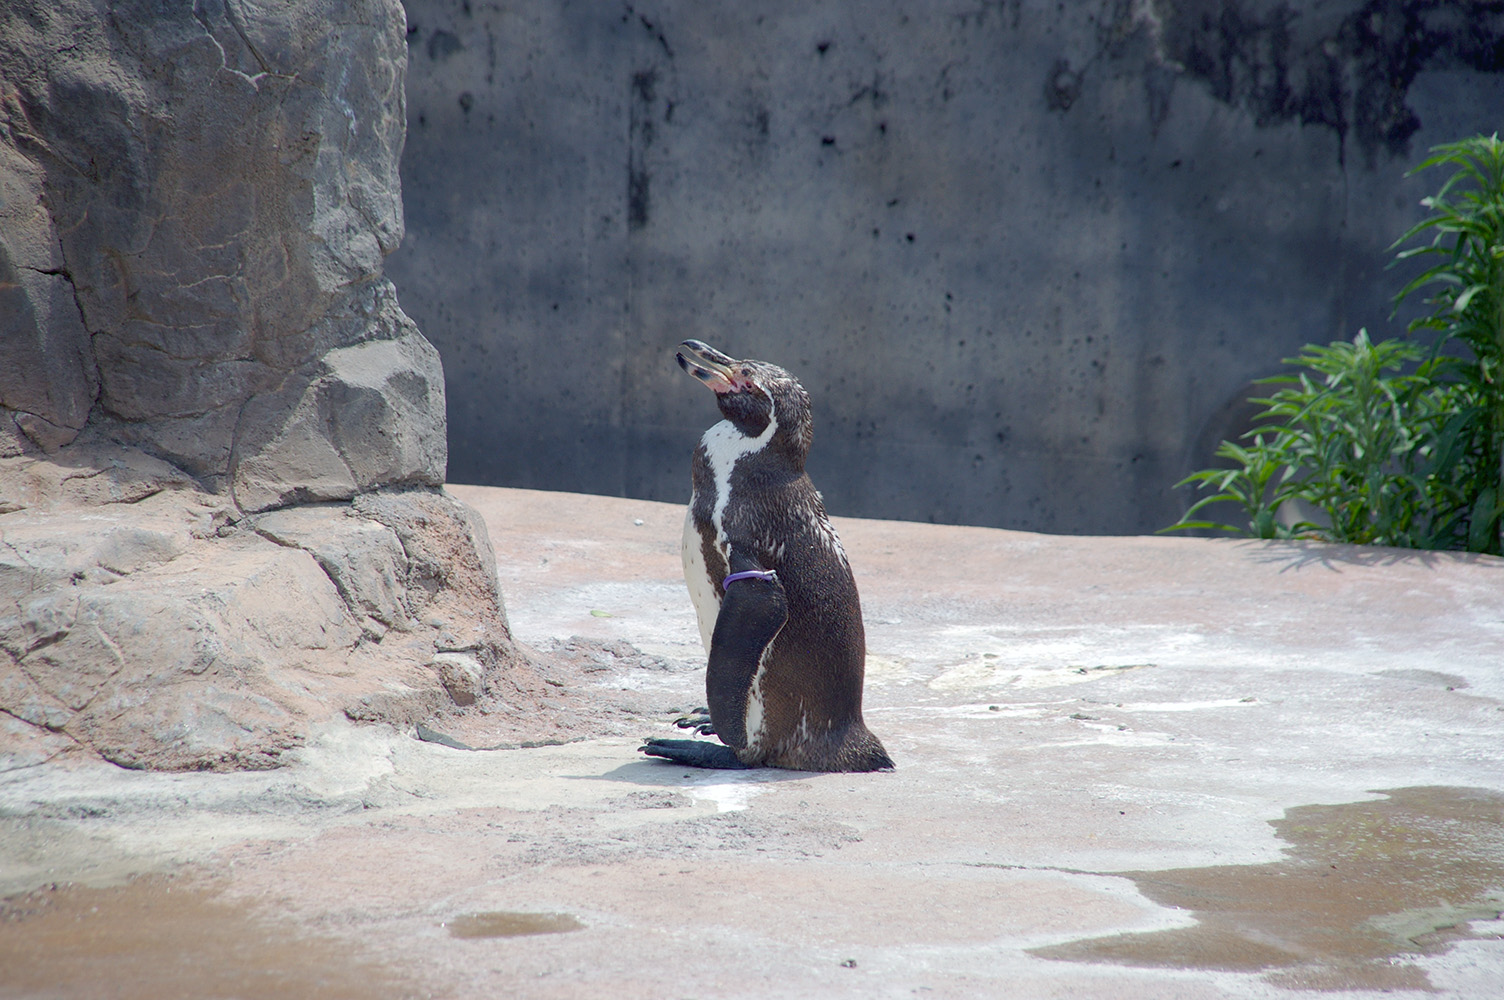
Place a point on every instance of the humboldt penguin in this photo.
(777, 606)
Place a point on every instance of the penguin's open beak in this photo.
(709, 366)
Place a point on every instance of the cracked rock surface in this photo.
(152, 623)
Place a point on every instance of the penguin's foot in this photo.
(694, 753)
(698, 720)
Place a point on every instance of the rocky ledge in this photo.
(153, 623)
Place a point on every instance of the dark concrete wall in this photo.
(1026, 256)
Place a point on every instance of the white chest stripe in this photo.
(724, 447)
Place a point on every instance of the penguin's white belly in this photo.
(697, 578)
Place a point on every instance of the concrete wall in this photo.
(1026, 256)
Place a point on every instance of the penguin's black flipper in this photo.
(694, 753)
(752, 614)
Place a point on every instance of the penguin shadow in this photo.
(665, 774)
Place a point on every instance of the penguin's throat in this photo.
(752, 428)
(751, 412)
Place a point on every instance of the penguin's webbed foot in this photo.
(694, 753)
(698, 720)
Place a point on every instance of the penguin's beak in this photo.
(709, 366)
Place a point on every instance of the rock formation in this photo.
(196, 339)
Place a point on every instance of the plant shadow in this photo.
(1298, 555)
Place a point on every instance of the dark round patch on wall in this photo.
(1062, 87)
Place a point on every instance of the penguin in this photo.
(777, 606)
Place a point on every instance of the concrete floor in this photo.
(1127, 767)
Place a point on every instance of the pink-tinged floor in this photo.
(1127, 767)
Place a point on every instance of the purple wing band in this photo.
(750, 574)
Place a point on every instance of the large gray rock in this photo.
(196, 337)
(197, 199)
(358, 417)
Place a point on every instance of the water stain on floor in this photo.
(506, 923)
(1363, 886)
(159, 937)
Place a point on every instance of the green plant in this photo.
(1466, 285)
(1391, 443)
(1338, 452)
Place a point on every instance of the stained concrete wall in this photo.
(1026, 256)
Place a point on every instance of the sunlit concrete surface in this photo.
(1127, 767)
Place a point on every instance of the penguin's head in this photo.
(753, 395)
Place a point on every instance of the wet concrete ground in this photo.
(1127, 767)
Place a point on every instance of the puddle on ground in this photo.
(501, 923)
(159, 937)
(1363, 885)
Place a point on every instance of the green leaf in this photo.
(1482, 532)
(1467, 296)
